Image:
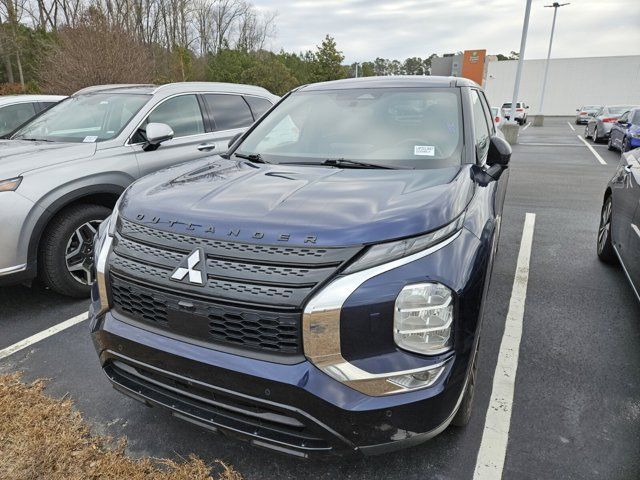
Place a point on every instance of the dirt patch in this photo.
(43, 437)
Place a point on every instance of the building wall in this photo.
(572, 82)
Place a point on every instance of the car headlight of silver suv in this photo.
(10, 185)
(423, 317)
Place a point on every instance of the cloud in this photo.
(365, 29)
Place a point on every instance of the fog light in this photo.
(423, 318)
(417, 380)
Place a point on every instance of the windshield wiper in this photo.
(35, 139)
(343, 162)
(252, 157)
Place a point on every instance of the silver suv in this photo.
(62, 172)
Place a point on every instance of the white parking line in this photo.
(571, 126)
(595, 154)
(16, 347)
(526, 126)
(493, 447)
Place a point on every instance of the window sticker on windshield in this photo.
(428, 150)
(90, 139)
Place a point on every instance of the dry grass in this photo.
(42, 437)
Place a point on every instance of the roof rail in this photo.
(96, 88)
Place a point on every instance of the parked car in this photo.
(62, 172)
(498, 118)
(586, 112)
(18, 109)
(625, 132)
(521, 112)
(320, 288)
(619, 232)
(599, 126)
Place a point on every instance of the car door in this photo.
(618, 130)
(631, 256)
(191, 140)
(230, 114)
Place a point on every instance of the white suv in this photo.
(521, 112)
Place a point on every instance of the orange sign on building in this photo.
(473, 65)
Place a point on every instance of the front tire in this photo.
(586, 132)
(463, 415)
(610, 144)
(606, 253)
(65, 260)
(596, 138)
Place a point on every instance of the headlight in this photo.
(423, 317)
(10, 185)
(387, 252)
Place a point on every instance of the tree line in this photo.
(60, 46)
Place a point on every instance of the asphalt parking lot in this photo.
(576, 404)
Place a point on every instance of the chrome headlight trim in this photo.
(321, 331)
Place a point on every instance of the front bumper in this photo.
(294, 409)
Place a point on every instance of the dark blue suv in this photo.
(625, 132)
(320, 288)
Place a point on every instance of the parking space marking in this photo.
(526, 126)
(493, 446)
(571, 126)
(595, 154)
(16, 347)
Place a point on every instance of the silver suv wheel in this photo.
(79, 252)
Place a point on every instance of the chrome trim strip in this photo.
(14, 269)
(635, 229)
(101, 268)
(321, 330)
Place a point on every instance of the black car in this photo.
(320, 288)
(619, 232)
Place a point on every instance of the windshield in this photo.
(85, 118)
(619, 110)
(591, 108)
(402, 127)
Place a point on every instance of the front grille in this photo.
(249, 328)
(251, 297)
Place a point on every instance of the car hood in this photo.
(20, 156)
(298, 205)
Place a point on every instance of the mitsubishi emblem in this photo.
(189, 266)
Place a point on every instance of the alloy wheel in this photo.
(605, 226)
(79, 252)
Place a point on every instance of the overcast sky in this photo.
(399, 29)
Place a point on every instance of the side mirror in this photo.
(157, 133)
(499, 152)
(527, 107)
(577, 109)
(234, 138)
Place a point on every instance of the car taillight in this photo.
(497, 119)
(519, 109)
(610, 119)
(582, 113)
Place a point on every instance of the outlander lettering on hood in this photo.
(318, 289)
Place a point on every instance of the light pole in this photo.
(540, 117)
(510, 129)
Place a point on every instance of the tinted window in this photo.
(258, 105)
(480, 127)
(229, 111)
(181, 113)
(12, 116)
(45, 105)
(618, 110)
(636, 118)
(415, 127)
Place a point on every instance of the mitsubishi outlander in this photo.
(319, 288)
